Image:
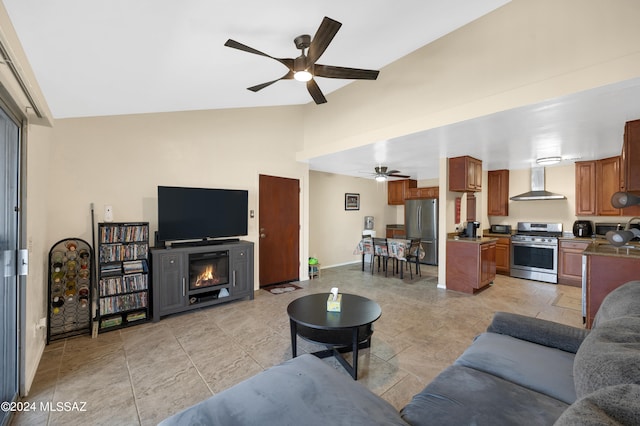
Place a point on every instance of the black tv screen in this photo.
(201, 213)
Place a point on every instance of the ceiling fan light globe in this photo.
(303, 75)
(381, 178)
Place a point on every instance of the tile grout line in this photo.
(55, 387)
(191, 361)
(133, 388)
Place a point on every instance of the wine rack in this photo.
(70, 284)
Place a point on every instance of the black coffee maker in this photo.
(472, 229)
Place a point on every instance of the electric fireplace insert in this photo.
(208, 269)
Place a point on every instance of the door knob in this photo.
(263, 235)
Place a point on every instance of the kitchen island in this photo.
(607, 268)
(471, 263)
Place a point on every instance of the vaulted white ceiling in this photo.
(114, 57)
(111, 57)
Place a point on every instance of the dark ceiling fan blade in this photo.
(329, 71)
(287, 76)
(327, 30)
(399, 176)
(315, 92)
(287, 62)
(391, 172)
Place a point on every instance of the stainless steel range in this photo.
(534, 251)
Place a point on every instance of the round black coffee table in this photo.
(345, 331)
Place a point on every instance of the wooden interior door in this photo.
(279, 230)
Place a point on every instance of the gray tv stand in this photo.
(172, 286)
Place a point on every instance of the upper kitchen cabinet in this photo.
(630, 162)
(596, 182)
(465, 174)
(422, 193)
(498, 193)
(608, 178)
(585, 188)
(397, 190)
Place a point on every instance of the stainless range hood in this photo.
(537, 188)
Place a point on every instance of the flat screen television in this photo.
(201, 213)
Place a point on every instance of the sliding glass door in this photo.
(9, 231)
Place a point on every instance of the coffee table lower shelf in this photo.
(337, 341)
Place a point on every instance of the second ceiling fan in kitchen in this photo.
(383, 173)
(304, 68)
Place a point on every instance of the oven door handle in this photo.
(549, 246)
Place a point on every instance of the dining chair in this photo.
(413, 253)
(367, 250)
(380, 251)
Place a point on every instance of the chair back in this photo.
(414, 247)
(380, 247)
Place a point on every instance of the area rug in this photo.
(564, 301)
(281, 288)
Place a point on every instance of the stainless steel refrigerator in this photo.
(421, 220)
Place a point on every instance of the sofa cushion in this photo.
(621, 302)
(537, 367)
(613, 405)
(536, 330)
(303, 390)
(464, 396)
(609, 355)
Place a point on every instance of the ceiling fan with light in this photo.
(382, 173)
(304, 68)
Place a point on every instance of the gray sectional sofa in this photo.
(521, 371)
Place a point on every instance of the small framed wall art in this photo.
(351, 201)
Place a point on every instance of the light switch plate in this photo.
(108, 213)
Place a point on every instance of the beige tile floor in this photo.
(142, 374)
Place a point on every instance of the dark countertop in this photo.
(489, 234)
(599, 248)
(572, 238)
(479, 240)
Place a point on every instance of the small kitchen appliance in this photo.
(501, 229)
(583, 228)
(472, 229)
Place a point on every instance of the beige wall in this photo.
(120, 161)
(334, 231)
(37, 204)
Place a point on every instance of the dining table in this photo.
(396, 248)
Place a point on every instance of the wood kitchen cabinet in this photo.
(422, 193)
(465, 174)
(570, 262)
(503, 255)
(630, 164)
(605, 274)
(498, 193)
(471, 266)
(596, 182)
(397, 190)
(395, 232)
(471, 207)
(608, 183)
(630, 161)
(585, 188)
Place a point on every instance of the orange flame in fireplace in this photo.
(207, 277)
